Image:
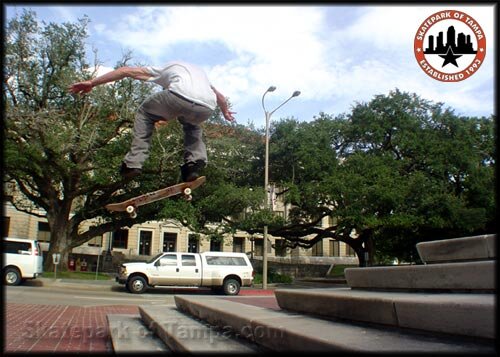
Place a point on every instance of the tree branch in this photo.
(26, 210)
(26, 190)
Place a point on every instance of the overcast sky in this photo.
(335, 55)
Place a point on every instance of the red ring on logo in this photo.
(418, 46)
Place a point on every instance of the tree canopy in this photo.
(396, 170)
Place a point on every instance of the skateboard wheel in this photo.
(133, 215)
(130, 209)
(188, 197)
(187, 191)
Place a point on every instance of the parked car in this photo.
(222, 271)
(22, 259)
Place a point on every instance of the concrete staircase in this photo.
(444, 306)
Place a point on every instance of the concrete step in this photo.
(183, 334)
(284, 331)
(458, 249)
(464, 276)
(458, 314)
(130, 335)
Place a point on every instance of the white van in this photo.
(22, 259)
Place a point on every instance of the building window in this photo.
(6, 226)
(193, 243)
(238, 244)
(169, 242)
(280, 247)
(279, 214)
(43, 234)
(215, 245)
(145, 242)
(334, 248)
(350, 252)
(120, 239)
(332, 221)
(95, 242)
(258, 247)
(317, 249)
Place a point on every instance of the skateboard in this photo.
(131, 205)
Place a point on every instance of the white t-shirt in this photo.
(185, 79)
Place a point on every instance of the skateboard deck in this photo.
(131, 205)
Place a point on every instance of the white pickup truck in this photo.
(218, 270)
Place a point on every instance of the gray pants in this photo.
(166, 106)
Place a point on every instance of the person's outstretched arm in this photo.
(140, 73)
(222, 103)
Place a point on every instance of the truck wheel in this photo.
(12, 276)
(137, 285)
(231, 287)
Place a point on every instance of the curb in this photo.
(110, 284)
(323, 280)
(74, 283)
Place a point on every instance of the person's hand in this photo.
(228, 115)
(160, 123)
(80, 87)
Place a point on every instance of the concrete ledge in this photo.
(183, 334)
(458, 314)
(468, 276)
(281, 331)
(464, 314)
(458, 249)
(339, 303)
(129, 335)
(225, 314)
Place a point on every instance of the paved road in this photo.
(81, 294)
(101, 293)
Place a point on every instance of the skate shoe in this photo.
(128, 173)
(190, 171)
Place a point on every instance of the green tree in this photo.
(62, 151)
(393, 172)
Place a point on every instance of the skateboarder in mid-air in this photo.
(187, 95)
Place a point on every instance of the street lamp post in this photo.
(266, 177)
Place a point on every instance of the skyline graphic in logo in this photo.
(450, 46)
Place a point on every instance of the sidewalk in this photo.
(55, 328)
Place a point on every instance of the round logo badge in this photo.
(450, 46)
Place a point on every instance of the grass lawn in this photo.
(76, 275)
(272, 278)
(338, 270)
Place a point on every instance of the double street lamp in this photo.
(266, 177)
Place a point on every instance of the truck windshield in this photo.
(154, 258)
